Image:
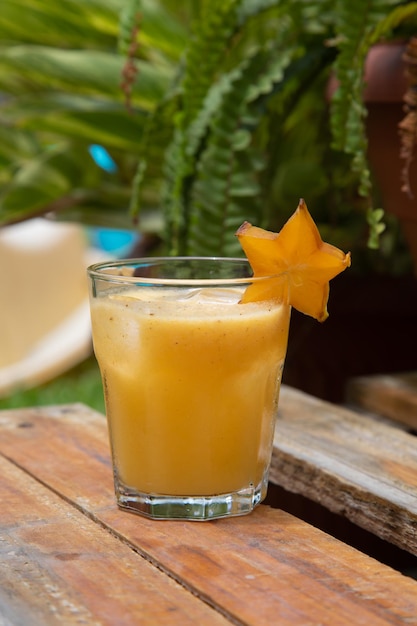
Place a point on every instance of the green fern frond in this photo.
(220, 52)
(196, 131)
(176, 173)
(227, 184)
(203, 59)
(272, 75)
(346, 114)
(397, 16)
(157, 135)
(206, 51)
(374, 217)
(218, 157)
(249, 8)
(135, 198)
(261, 85)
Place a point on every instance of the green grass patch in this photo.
(80, 384)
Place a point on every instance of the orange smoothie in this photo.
(191, 385)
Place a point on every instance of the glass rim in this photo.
(96, 271)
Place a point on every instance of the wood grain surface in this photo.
(70, 556)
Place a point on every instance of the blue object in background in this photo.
(102, 158)
(116, 242)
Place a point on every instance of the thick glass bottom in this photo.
(197, 508)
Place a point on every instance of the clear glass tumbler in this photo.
(191, 378)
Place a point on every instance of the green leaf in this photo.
(16, 144)
(38, 183)
(111, 129)
(69, 22)
(158, 29)
(374, 218)
(77, 69)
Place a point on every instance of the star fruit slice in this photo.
(299, 263)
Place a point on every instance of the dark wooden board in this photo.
(392, 396)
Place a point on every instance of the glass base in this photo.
(198, 508)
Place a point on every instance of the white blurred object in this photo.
(44, 314)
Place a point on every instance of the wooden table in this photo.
(69, 556)
(352, 462)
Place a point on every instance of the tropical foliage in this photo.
(60, 76)
(210, 112)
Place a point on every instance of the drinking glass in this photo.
(191, 378)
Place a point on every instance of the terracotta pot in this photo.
(385, 88)
(385, 73)
(383, 94)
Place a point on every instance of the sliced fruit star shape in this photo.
(299, 263)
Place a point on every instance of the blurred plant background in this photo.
(60, 80)
(183, 119)
(206, 113)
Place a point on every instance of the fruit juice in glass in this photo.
(191, 379)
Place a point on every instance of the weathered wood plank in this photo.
(58, 567)
(268, 567)
(271, 567)
(352, 465)
(391, 396)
